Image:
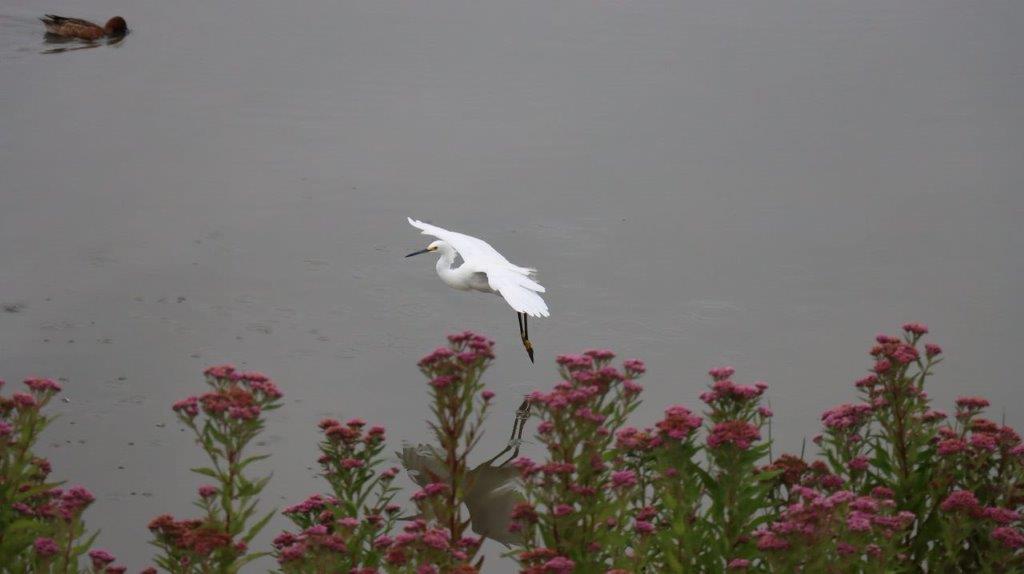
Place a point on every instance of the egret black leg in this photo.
(525, 333)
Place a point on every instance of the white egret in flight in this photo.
(484, 269)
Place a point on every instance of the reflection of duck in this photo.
(83, 29)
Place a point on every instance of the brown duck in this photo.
(83, 29)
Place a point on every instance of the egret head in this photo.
(434, 246)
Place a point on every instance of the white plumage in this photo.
(484, 269)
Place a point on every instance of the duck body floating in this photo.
(116, 27)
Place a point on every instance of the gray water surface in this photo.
(764, 184)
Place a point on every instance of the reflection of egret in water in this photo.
(493, 488)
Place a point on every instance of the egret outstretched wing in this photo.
(474, 250)
(519, 291)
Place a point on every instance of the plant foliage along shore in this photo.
(895, 485)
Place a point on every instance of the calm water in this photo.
(764, 184)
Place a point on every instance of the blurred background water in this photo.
(763, 184)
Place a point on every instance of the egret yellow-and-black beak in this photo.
(427, 250)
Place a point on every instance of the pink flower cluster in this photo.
(679, 423)
(431, 490)
(846, 417)
(241, 396)
(419, 538)
(633, 439)
(724, 390)
(467, 349)
(351, 433)
(815, 517)
(191, 535)
(890, 351)
(42, 390)
(315, 540)
(737, 433)
(545, 561)
(313, 505)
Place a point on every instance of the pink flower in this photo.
(1009, 537)
(768, 540)
(858, 521)
(6, 428)
(845, 548)
(100, 558)
(42, 385)
(207, 491)
(442, 382)
(559, 565)
(961, 501)
(623, 478)
(350, 463)
(631, 438)
(435, 539)
(643, 527)
(765, 412)
(23, 402)
(831, 481)
(971, 403)
(600, 354)
(188, 407)
(487, 395)
(253, 377)
(882, 492)
(721, 373)
(1001, 515)
(859, 463)
(932, 350)
(574, 362)
(951, 446)
(846, 416)
(866, 382)
(432, 489)
(439, 354)
(562, 510)
(220, 371)
(738, 564)
(678, 423)
(740, 434)
(632, 387)
(292, 553)
(525, 465)
(916, 328)
(982, 441)
(45, 547)
(634, 366)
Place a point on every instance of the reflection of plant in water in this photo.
(898, 486)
